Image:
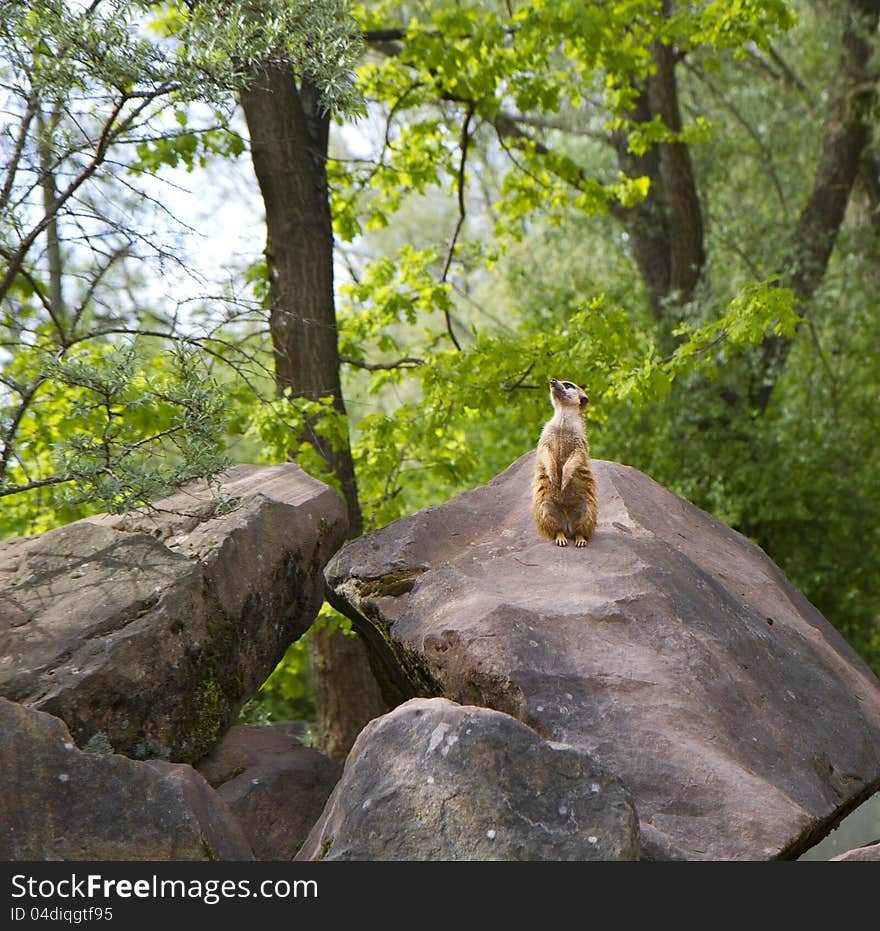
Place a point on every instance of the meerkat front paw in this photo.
(560, 539)
(580, 540)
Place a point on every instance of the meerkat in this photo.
(564, 488)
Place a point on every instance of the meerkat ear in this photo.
(584, 400)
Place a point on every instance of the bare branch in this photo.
(460, 181)
(766, 154)
(29, 486)
(109, 134)
(17, 150)
(407, 362)
(520, 382)
(47, 304)
(96, 279)
(152, 439)
(9, 435)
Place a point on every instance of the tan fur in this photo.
(564, 488)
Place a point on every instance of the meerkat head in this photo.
(565, 395)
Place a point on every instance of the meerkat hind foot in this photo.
(560, 539)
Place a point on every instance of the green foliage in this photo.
(88, 422)
(564, 302)
(199, 51)
(467, 414)
(487, 258)
(110, 427)
(536, 57)
(287, 694)
(278, 422)
(191, 148)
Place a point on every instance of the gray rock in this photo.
(433, 780)
(276, 787)
(671, 649)
(61, 803)
(151, 631)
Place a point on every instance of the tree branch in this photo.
(766, 154)
(9, 435)
(460, 184)
(17, 149)
(109, 134)
(407, 362)
(29, 486)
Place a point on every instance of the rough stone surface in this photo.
(433, 780)
(149, 632)
(869, 853)
(670, 648)
(60, 803)
(276, 787)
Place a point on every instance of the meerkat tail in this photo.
(546, 520)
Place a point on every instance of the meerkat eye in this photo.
(567, 384)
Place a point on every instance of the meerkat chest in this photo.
(562, 442)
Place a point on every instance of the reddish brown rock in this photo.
(60, 803)
(670, 649)
(149, 632)
(276, 787)
(868, 853)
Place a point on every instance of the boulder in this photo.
(148, 633)
(276, 787)
(869, 853)
(433, 780)
(60, 803)
(671, 649)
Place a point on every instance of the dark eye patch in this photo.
(567, 384)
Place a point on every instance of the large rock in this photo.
(276, 787)
(60, 803)
(433, 780)
(671, 649)
(151, 631)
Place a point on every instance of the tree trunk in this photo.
(666, 229)
(347, 695)
(289, 136)
(647, 223)
(844, 143)
(45, 131)
(289, 150)
(686, 253)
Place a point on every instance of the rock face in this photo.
(276, 787)
(60, 803)
(148, 633)
(869, 853)
(433, 780)
(671, 649)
